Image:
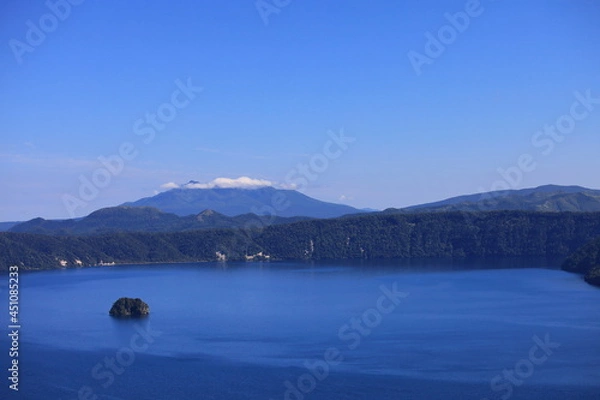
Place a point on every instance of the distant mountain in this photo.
(143, 219)
(232, 202)
(5, 226)
(192, 209)
(549, 198)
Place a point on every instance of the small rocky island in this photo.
(128, 307)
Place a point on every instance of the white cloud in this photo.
(288, 186)
(169, 185)
(243, 182)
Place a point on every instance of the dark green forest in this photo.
(586, 261)
(372, 236)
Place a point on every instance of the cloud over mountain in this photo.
(243, 182)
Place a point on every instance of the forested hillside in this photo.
(375, 236)
(143, 219)
(586, 260)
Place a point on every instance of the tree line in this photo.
(371, 236)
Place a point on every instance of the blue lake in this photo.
(394, 330)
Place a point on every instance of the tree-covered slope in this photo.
(373, 236)
(142, 219)
(548, 198)
(32, 251)
(513, 233)
(586, 260)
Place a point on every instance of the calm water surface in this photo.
(262, 331)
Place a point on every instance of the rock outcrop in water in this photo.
(128, 307)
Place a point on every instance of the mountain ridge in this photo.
(143, 219)
(267, 205)
(550, 198)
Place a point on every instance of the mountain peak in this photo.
(265, 200)
(208, 214)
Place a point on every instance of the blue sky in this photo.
(273, 95)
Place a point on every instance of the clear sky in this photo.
(434, 109)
